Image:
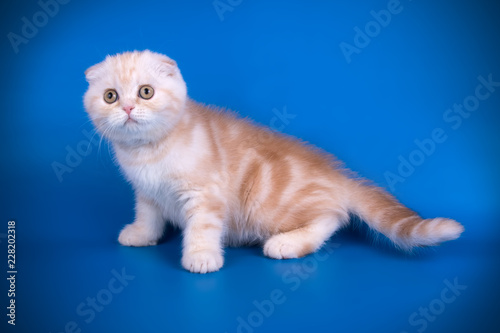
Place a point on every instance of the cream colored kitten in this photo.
(226, 181)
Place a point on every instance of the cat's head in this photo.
(135, 96)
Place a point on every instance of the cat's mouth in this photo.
(130, 121)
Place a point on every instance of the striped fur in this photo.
(227, 181)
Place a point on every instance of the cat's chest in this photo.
(161, 178)
(149, 179)
(155, 183)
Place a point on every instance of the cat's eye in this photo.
(110, 96)
(146, 92)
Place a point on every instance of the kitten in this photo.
(226, 181)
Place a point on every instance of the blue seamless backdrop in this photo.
(406, 93)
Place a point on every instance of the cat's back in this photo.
(240, 140)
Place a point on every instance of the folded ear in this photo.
(167, 67)
(94, 72)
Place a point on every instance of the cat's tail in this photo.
(382, 212)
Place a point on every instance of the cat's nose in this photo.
(128, 109)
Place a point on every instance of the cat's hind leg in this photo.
(304, 240)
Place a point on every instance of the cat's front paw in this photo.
(136, 235)
(204, 261)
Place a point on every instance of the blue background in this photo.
(255, 58)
